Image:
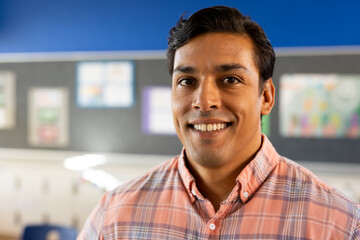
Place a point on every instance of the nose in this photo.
(207, 96)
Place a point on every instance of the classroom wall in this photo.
(34, 180)
(110, 26)
(121, 130)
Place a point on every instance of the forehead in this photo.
(212, 49)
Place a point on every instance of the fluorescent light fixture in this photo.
(101, 179)
(80, 163)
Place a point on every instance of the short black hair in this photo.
(222, 19)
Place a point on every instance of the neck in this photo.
(217, 183)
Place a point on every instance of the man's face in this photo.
(216, 101)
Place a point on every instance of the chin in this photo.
(209, 159)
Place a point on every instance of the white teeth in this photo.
(209, 127)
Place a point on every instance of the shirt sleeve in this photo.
(93, 226)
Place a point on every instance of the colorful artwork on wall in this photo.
(157, 115)
(48, 117)
(320, 105)
(7, 100)
(102, 84)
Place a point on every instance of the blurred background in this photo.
(85, 97)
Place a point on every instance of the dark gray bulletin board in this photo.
(118, 130)
(114, 130)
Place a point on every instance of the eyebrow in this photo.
(229, 67)
(220, 68)
(184, 69)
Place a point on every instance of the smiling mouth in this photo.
(210, 127)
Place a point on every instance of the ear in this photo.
(267, 97)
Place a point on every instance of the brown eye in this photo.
(186, 82)
(231, 80)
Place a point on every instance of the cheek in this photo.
(177, 110)
(177, 113)
(245, 107)
(174, 105)
(179, 104)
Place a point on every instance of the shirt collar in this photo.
(186, 177)
(258, 169)
(250, 178)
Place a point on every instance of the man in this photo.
(228, 182)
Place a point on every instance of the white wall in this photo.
(36, 188)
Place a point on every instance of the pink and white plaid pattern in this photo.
(274, 198)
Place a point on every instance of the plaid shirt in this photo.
(274, 198)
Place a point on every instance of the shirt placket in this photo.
(214, 220)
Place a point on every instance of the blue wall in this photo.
(112, 25)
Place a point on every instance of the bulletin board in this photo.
(338, 68)
(124, 129)
(95, 129)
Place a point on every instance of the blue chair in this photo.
(44, 232)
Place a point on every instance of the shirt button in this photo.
(246, 194)
(212, 226)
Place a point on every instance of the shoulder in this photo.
(140, 193)
(155, 180)
(315, 191)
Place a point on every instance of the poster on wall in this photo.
(7, 100)
(320, 105)
(103, 84)
(48, 117)
(157, 114)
